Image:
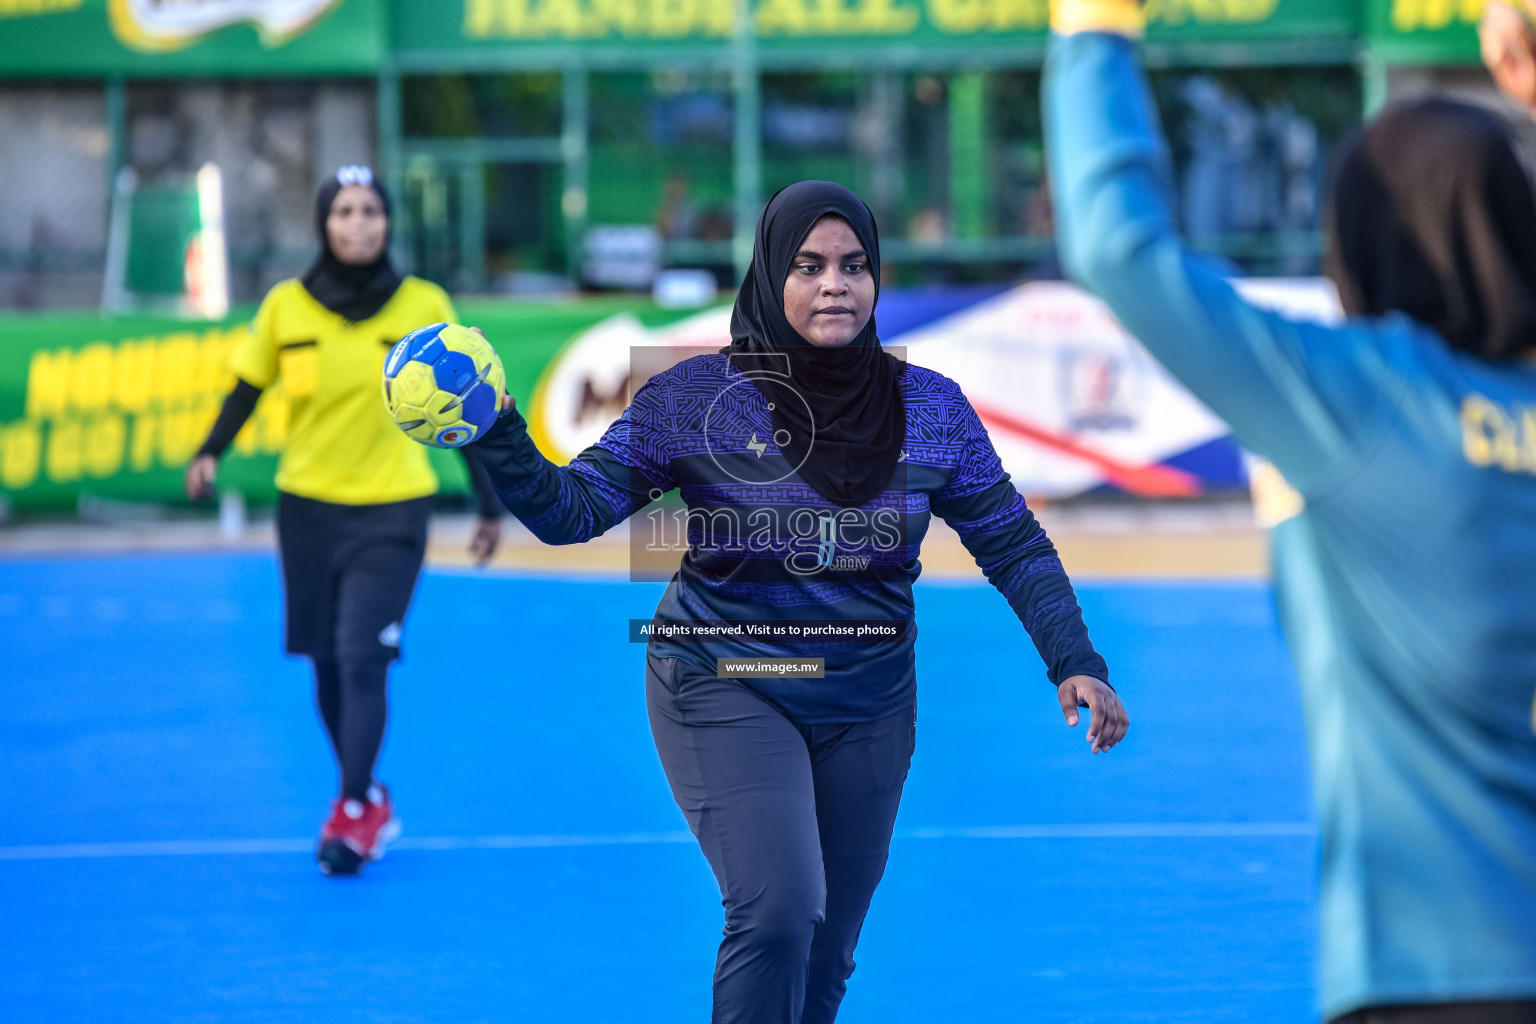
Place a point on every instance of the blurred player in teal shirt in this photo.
(1406, 569)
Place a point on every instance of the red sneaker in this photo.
(345, 838)
(382, 809)
(357, 832)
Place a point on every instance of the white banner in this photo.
(1071, 401)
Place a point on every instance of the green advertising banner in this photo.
(116, 407)
(94, 38)
(421, 27)
(1424, 31)
(192, 37)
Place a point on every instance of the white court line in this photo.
(166, 848)
(1092, 830)
(216, 847)
(524, 842)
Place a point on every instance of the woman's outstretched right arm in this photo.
(1302, 395)
(602, 487)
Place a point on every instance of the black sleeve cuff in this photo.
(237, 408)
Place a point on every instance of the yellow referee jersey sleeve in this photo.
(341, 445)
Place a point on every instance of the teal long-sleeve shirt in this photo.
(1406, 583)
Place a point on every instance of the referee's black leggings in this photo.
(796, 822)
(354, 707)
(348, 574)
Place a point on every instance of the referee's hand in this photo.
(1109, 720)
(482, 544)
(200, 473)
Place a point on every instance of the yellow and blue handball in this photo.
(443, 385)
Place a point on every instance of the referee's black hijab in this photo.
(840, 407)
(1432, 214)
(355, 291)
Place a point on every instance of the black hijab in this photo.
(840, 407)
(1432, 214)
(355, 291)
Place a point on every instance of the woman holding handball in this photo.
(354, 494)
(810, 460)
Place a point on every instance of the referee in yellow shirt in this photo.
(354, 493)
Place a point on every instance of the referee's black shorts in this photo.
(348, 574)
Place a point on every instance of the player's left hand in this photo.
(1109, 720)
(482, 545)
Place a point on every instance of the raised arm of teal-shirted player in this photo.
(1305, 396)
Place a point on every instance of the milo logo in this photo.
(157, 26)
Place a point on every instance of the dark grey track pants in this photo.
(1519, 1012)
(796, 822)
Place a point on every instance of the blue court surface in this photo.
(163, 774)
